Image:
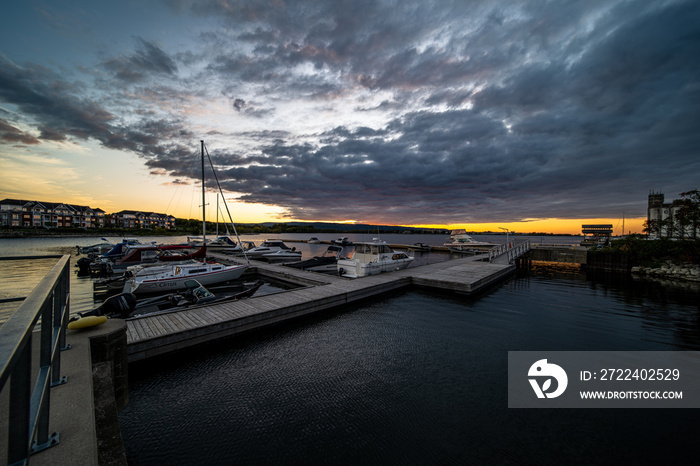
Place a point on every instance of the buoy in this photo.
(85, 322)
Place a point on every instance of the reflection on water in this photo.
(415, 378)
(19, 278)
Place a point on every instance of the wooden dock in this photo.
(159, 334)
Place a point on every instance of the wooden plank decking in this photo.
(154, 335)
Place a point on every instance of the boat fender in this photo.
(85, 322)
(341, 271)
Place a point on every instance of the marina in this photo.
(349, 233)
(153, 335)
(303, 301)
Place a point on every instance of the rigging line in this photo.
(194, 190)
(177, 189)
(233, 225)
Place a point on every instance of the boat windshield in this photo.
(372, 249)
(201, 293)
(197, 290)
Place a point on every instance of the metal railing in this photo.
(28, 429)
(513, 251)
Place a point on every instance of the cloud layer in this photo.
(398, 112)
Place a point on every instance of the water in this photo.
(416, 378)
(20, 277)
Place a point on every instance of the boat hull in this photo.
(174, 282)
(354, 269)
(470, 247)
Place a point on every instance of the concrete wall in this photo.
(567, 254)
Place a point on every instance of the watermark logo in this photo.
(545, 372)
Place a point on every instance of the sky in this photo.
(524, 115)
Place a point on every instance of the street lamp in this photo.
(507, 234)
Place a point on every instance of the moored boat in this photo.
(267, 247)
(126, 305)
(222, 244)
(323, 263)
(99, 248)
(147, 255)
(282, 255)
(120, 249)
(371, 258)
(342, 241)
(171, 277)
(460, 241)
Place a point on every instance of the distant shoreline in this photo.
(10, 234)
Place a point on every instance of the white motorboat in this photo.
(460, 241)
(342, 241)
(314, 240)
(172, 277)
(371, 258)
(267, 247)
(282, 255)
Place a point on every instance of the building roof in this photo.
(74, 207)
(48, 205)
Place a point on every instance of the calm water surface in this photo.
(416, 378)
(413, 378)
(20, 277)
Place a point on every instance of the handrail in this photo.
(513, 251)
(29, 408)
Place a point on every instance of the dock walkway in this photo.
(154, 335)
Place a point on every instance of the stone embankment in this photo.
(690, 272)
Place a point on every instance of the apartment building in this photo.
(138, 219)
(27, 214)
(24, 213)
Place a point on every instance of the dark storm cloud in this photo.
(148, 59)
(573, 109)
(61, 113)
(56, 104)
(10, 134)
(482, 111)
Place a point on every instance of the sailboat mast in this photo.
(204, 220)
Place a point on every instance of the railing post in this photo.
(61, 311)
(20, 401)
(45, 354)
(65, 300)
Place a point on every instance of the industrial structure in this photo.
(677, 219)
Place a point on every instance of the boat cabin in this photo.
(367, 252)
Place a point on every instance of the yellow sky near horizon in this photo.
(551, 225)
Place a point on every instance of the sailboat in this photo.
(171, 277)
